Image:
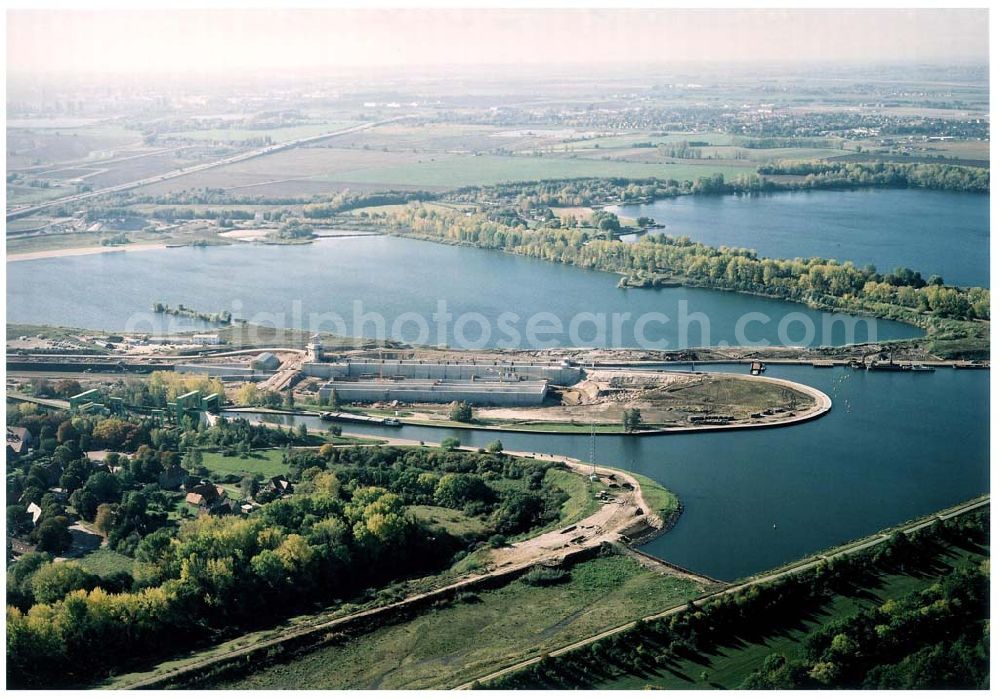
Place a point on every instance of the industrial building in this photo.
(559, 373)
(261, 365)
(265, 361)
(500, 393)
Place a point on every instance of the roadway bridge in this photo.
(45, 402)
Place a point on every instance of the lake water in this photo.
(895, 446)
(945, 233)
(412, 291)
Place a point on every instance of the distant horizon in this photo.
(520, 73)
(239, 42)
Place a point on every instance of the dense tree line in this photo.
(827, 283)
(933, 638)
(828, 174)
(345, 201)
(188, 214)
(785, 142)
(219, 572)
(584, 191)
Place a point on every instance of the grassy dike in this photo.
(456, 641)
(600, 589)
(453, 643)
(710, 646)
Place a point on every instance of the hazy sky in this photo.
(228, 40)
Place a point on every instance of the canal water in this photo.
(409, 290)
(895, 446)
(945, 233)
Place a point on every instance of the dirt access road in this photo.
(615, 518)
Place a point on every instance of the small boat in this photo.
(921, 367)
(392, 422)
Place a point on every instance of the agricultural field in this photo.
(451, 644)
(38, 143)
(22, 194)
(314, 170)
(48, 163)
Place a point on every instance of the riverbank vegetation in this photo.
(911, 613)
(838, 175)
(784, 175)
(901, 294)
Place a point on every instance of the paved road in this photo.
(182, 172)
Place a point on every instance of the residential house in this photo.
(282, 486)
(36, 513)
(19, 441)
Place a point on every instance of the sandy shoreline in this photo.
(91, 250)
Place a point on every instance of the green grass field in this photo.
(581, 502)
(446, 646)
(266, 463)
(452, 521)
(19, 195)
(663, 502)
(105, 562)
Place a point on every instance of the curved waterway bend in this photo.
(895, 446)
(381, 286)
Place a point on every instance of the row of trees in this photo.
(933, 638)
(817, 281)
(936, 638)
